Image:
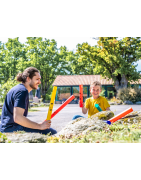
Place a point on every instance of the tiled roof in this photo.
(70, 80)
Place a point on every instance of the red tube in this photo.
(119, 116)
(63, 105)
(81, 95)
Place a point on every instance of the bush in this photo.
(6, 87)
(3, 138)
(102, 93)
(116, 100)
(131, 94)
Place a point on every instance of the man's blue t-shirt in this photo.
(16, 97)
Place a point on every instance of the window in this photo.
(111, 92)
(63, 93)
(75, 91)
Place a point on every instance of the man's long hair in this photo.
(28, 72)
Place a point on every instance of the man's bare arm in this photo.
(23, 121)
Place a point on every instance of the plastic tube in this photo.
(98, 107)
(119, 116)
(63, 105)
(81, 95)
(51, 103)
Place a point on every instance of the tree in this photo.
(11, 54)
(113, 58)
(44, 56)
(6, 87)
(80, 64)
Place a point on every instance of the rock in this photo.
(84, 125)
(23, 137)
(127, 102)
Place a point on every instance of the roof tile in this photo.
(69, 80)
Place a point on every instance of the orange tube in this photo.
(63, 105)
(81, 95)
(119, 116)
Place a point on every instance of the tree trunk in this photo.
(121, 82)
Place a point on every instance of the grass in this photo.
(33, 110)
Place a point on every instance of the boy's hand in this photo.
(45, 125)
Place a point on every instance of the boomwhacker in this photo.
(51, 103)
(63, 105)
(119, 116)
(98, 107)
(81, 95)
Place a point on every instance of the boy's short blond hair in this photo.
(96, 83)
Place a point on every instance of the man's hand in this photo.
(45, 125)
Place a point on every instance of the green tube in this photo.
(98, 107)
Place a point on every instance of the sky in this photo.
(69, 42)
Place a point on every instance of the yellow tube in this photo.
(51, 103)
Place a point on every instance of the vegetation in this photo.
(36, 52)
(112, 58)
(3, 138)
(132, 94)
(116, 133)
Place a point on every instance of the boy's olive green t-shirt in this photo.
(90, 105)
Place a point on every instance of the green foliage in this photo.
(112, 58)
(3, 138)
(6, 87)
(102, 93)
(49, 93)
(36, 52)
(131, 94)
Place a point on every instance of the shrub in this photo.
(3, 138)
(102, 93)
(131, 94)
(116, 100)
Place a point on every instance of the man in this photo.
(16, 103)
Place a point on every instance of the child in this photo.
(95, 89)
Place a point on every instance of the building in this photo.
(68, 85)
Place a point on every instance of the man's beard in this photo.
(32, 86)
